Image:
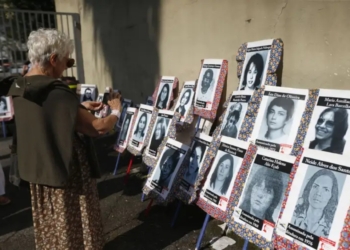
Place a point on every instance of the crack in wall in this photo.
(279, 15)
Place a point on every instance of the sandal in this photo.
(4, 200)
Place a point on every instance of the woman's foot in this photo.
(4, 200)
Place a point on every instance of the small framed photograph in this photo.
(164, 90)
(126, 104)
(87, 92)
(126, 129)
(185, 100)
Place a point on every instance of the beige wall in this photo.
(130, 43)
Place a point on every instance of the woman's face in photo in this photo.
(224, 169)
(142, 123)
(325, 126)
(158, 131)
(251, 75)
(276, 118)
(185, 98)
(163, 94)
(2, 105)
(261, 197)
(231, 122)
(321, 192)
(167, 166)
(195, 160)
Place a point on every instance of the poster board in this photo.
(184, 104)
(190, 169)
(279, 117)
(125, 132)
(126, 104)
(87, 92)
(164, 92)
(161, 179)
(138, 135)
(211, 80)
(215, 194)
(316, 206)
(254, 212)
(6, 108)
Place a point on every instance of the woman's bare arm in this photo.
(89, 125)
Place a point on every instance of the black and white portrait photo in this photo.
(207, 82)
(126, 105)
(4, 105)
(196, 157)
(185, 100)
(318, 201)
(165, 89)
(87, 93)
(255, 65)
(263, 193)
(278, 119)
(141, 126)
(167, 167)
(160, 130)
(125, 128)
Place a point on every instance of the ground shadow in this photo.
(127, 33)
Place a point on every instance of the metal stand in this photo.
(245, 246)
(179, 204)
(3, 125)
(116, 165)
(204, 227)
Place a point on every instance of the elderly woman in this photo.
(54, 147)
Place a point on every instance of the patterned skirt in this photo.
(68, 218)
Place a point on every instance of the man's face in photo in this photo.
(206, 81)
(88, 93)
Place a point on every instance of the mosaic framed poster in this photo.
(280, 114)
(209, 88)
(127, 127)
(191, 168)
(184, 104)
(163, 94)
(162, 177)
(255, 66)
(235, 113)
(87, 92)
(138, 135)
(6, 108)
(316, 209)
(328, 130)
(159, 131)
(218, 186)
(256, 211)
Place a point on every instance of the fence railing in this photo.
(16, 25)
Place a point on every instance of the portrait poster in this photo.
(98, 114)
(235, 113)
(207, 83)
(279, 117)
(255, 65)
(6, 108)
(124, 134)
(149, 101)
(316, 207)
(87, 92)
(140, 129)
(159, 131)
(163, 175)
(198, 150)
(126, 104)
(260, 202)
(218, 186)
(185, 100)
(165, 92)
(329, 126)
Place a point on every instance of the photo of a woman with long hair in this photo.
(253, 73)
(167, 167)
(196, 158)
(3, 105)
(158, 134)
(222, 176)
(163, 97)
(318, 203)
(124, 130)
(185, 98)
(279, 113)
(263, 194)
(140, 132)
(330, 129)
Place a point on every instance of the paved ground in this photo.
(126, 226)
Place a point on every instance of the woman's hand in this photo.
(91, 105)
(115, 101)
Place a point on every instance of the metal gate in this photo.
(15, 26)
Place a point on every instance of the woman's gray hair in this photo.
(42, 43)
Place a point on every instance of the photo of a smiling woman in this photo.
(167, 167)
(253, 73)
(330, 130)
(263, 194)
(196, 158)
(316, 207)
(163, 97)
(140, 132)
(278, 114)
(185, 99)
(159, 134)
(222, 176)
